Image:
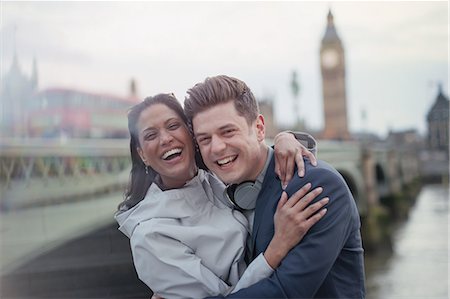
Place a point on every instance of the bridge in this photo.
(56, 192)
(37, 172)
(44, 171)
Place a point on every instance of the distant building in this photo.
(367, 137)
(405, 138)
(62, 112)
(332, 65)
(403, 157)
(17, 89)
(266, 109)
(59, 112)
(435, 156)
(438, 124)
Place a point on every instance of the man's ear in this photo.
(141, 154)
(260, 128)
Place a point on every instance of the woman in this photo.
(187, 242)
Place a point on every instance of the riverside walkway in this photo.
(68, 250)
(28, 233)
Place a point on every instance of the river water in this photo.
(419, 264)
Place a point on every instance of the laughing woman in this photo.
(187, 241)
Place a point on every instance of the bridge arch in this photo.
(351, 183)
(380, 174)
(354, 178)
(382, 177)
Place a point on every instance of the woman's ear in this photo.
(141, 154)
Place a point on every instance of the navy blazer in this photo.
(328, 262)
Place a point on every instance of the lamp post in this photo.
(295, 89)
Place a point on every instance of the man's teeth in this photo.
(225, 161)
(171, 152)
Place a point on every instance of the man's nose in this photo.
(217, 144)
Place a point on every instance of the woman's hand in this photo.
(293, 218)
(288, 152)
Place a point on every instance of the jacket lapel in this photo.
(268, 193)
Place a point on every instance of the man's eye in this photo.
(229, 132)
(203, 140)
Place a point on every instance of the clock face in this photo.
(330, 58)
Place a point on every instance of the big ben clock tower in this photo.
(332, 65)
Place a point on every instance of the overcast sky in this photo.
(396, 52)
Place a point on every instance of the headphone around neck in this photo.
(244, 195)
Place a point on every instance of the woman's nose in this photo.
(166, 137)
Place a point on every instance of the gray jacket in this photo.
(187, 243)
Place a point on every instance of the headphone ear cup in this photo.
(246, 194)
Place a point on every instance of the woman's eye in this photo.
(150, 136)
(174, 126)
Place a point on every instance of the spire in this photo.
(441, 97)
(330, 35)
(15, 63)
(441, 102)
(330, 21)
(34, 74)
(133, 89)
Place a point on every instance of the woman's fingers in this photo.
(283, 200)
(280, 163)
(308, 154)
(307, 199)
(312, 209)
(289, 171)
(314, 218)
(300, 163)
(297, 196)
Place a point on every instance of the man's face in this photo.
(230, 147)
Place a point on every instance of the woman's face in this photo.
(166, 145)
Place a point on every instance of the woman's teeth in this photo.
(171, 152)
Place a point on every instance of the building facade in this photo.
(63, 112)
(16, 92)
(59, 112)
(438, 124)
(332, 65)
(266, 108)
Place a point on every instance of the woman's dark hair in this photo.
(140, 181)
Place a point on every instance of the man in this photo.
(328, 262)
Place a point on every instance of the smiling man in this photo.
(230, 132)
(229, 143)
